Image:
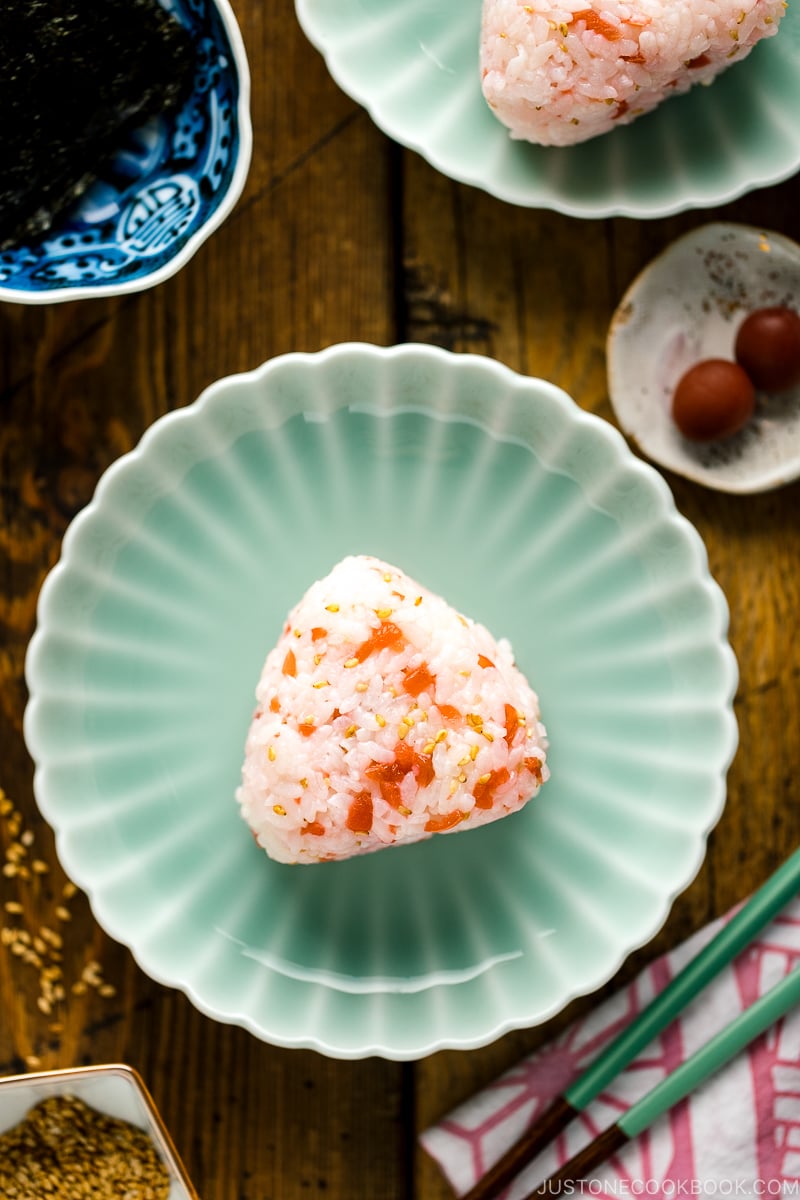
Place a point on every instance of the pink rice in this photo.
(557, 74)
(384, 717)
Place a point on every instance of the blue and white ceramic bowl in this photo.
(166, 189)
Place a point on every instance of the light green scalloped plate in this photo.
(414, 65)
(496, 491)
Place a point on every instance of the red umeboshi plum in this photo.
(767, 347)
(714, 399)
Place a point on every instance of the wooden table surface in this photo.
(341, 235)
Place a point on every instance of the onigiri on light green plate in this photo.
(414, 64)
(497, 492)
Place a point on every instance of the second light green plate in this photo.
(414, 65)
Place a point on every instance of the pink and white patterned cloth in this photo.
(738, 1135)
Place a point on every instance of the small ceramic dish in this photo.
(114, 1089)
(685, 306)
(498, 493)
(165, 191)
(413, 64)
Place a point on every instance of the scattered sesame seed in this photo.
(279, 809)
(321, 683)
(362, 686)
(383, 613)
(12, 906)
(27, 837)
(351, 662)
(441, 735)
(63, 913)
(332, 608)
(428, 748)
(39, 866)
(406, 812)
(473, 752)
(272, 754)
(351, 731)
(381, 720)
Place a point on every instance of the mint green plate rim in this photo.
(631, 481)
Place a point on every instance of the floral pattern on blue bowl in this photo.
(164, 191)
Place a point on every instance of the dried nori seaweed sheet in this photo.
(75, 75)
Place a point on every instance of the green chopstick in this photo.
(735, 935)
(724, 1046)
